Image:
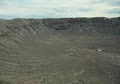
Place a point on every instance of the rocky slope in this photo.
(73, 25)
(60, 51)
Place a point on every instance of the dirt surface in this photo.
(32, 52)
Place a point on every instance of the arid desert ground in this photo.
(60, 51)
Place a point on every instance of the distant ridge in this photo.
(83, 25)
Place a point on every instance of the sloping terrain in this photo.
(60, 51)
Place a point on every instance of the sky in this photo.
(10, 9)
